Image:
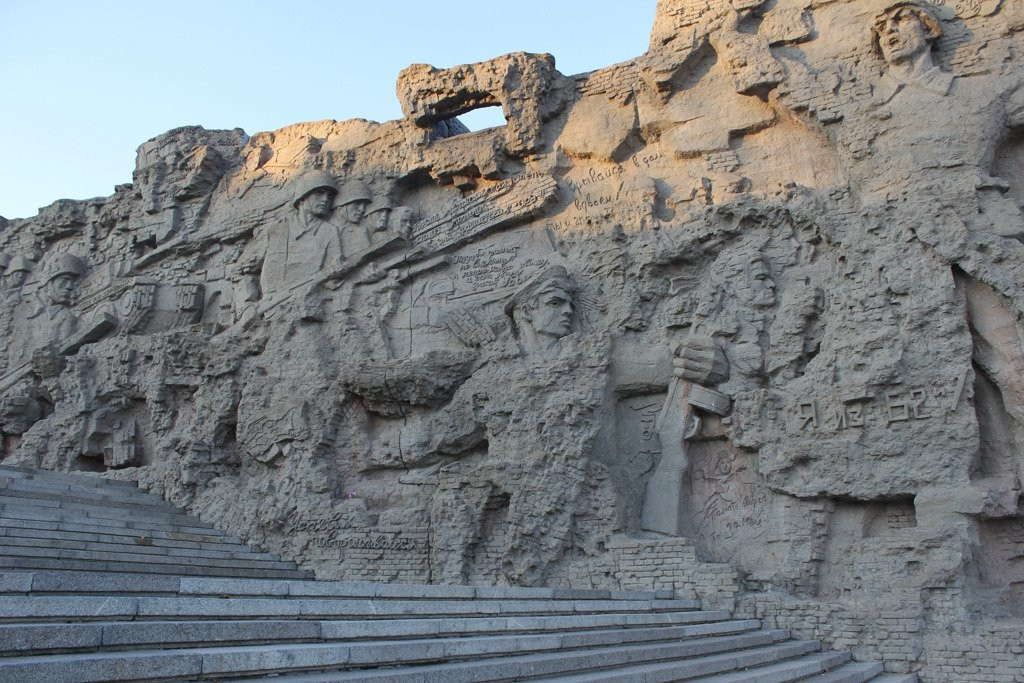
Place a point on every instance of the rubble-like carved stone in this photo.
(739, 317)
(524, 85)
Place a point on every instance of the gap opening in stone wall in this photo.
(483, 118)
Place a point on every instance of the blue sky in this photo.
(84, 83)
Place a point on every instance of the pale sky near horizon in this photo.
(85, 83)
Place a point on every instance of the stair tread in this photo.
(54, 564)
(114, 635)
(788, 670)
(851, 672)
(534, 665)
(282, 657)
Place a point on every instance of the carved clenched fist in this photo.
(698, 359)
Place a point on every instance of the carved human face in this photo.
(15, 280)
(318, 202)
(61, 289)
(402, 219)
(354, 211)
(762, 287)
(903, 37)
(379, 219)
(552, 312)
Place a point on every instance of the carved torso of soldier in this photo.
(308, 243)
(911, 109)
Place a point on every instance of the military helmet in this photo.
(310, 182)
(379, 204)
(63, 264)
(19, 264)
(355, 191)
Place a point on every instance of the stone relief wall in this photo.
(740, 317)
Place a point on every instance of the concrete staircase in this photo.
(102, 582)
(73, 522)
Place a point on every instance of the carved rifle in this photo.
(678, 421)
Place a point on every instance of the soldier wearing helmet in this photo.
(354, 200)
(51, 321)
(543, 310)
(308, 243)
(378, 214)
(16, 272)
(355, 197)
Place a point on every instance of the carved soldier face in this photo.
(379, 219)
(15, 280)
(552, 312)
(318, 203)
(61, 289)
(401, 218)
(354, 211)
(903, 37)
(761, 285)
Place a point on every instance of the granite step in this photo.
(145, 546)
(95, 553)
(154, 540)
(583, 631)
(24, 608)
(215, 662)
(96, 510)
(184, 525)
(680, 662)
(42, 583)
(77, 479)
(84, 583)
(852, 672)
(57, 564)
(32, 488)
(789, 670)
(700, 668)
(34, 519)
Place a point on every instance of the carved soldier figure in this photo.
(378, 214)
(912, 145)
(10, 298)
(51, 321)
(729, 333)
(538, 430)
(16, 273)
(308, 244)
(50, 324)
(354, 200)
(401, 219)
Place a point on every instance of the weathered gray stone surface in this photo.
(740, 317)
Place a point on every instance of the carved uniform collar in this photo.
(934, 80)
